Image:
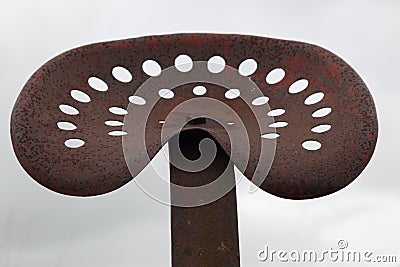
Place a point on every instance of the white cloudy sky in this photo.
(127, 228)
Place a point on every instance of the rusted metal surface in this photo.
(205, 235)
(99, 166)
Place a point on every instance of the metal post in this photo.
(205, 235)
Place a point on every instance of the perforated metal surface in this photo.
(99, 165)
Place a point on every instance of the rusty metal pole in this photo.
(206, 235)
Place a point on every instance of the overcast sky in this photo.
(127, 228)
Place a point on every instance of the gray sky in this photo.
(127, 228)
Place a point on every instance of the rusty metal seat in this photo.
(295, 118)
